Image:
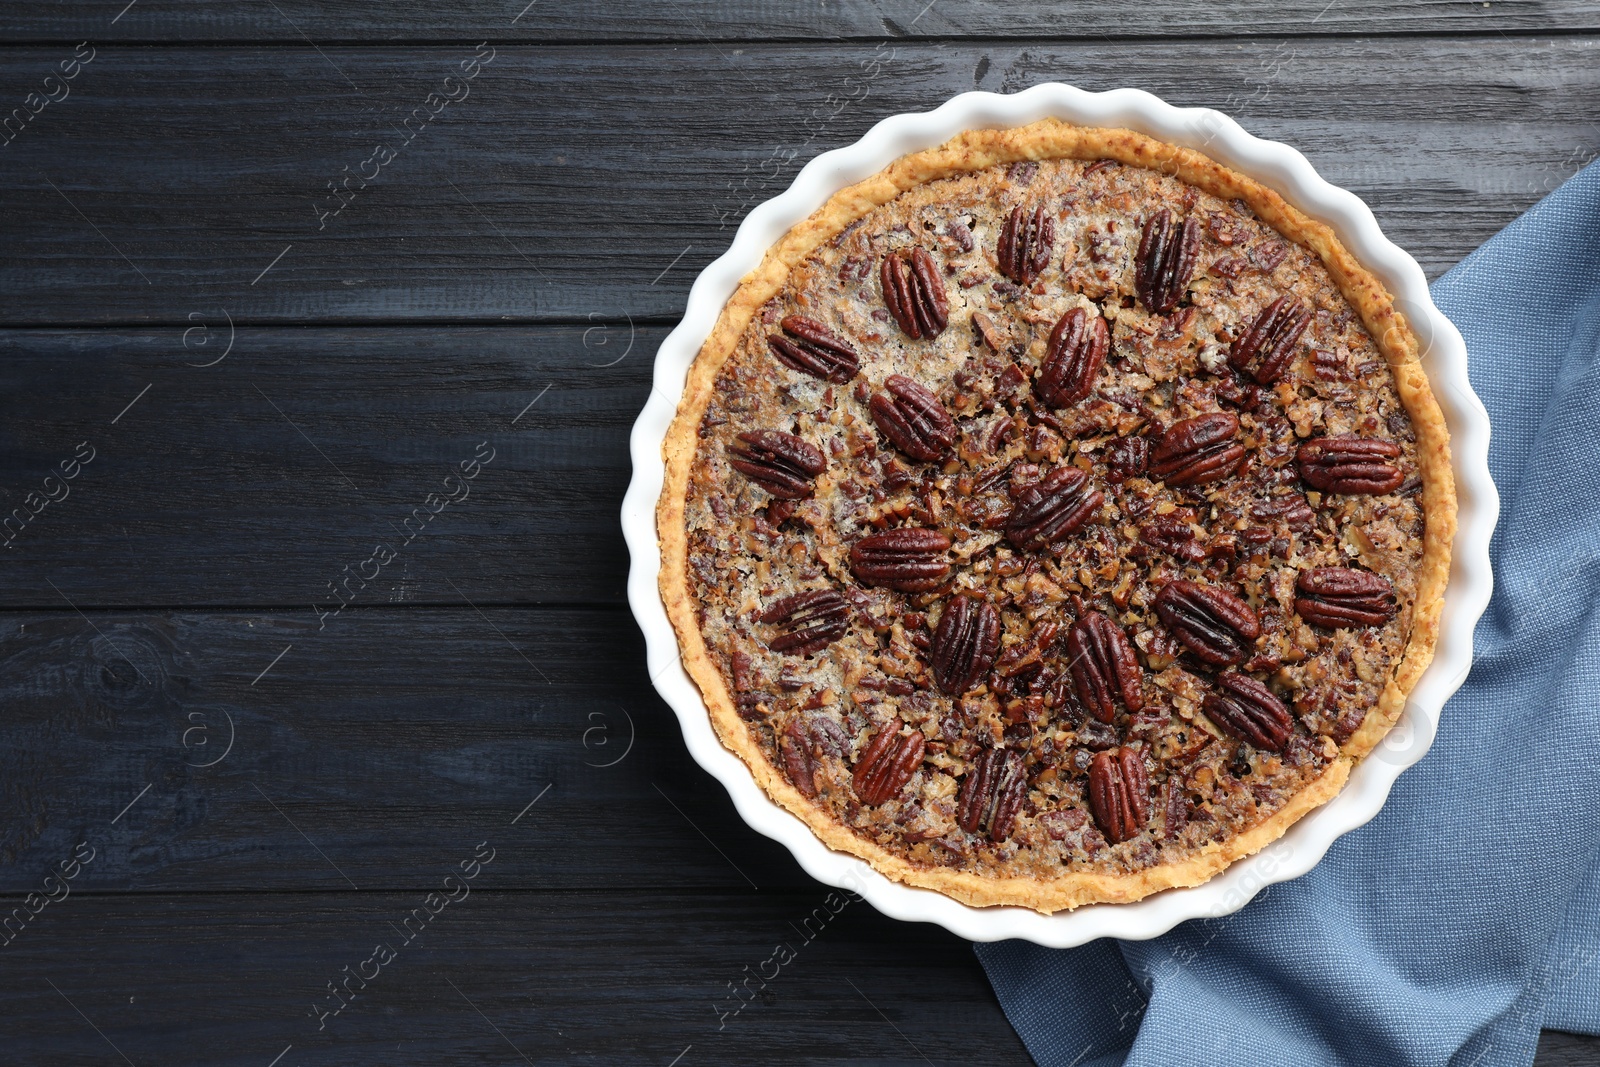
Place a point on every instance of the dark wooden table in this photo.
(327, 736)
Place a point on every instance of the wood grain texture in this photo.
(504, 977)
(260, 479)
(693, 21)
(497, 978)
(371, 748)
(581, 181)
(1567, 1050)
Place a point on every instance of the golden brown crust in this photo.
(1051, 139)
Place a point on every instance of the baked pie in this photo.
(1055, 517)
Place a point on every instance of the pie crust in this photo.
(985, 872)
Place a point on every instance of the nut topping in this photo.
(911, 560)
(781, 463)
(1025, 242)
(912, 419)
(1103, 667)
(1119, 793)
(1126, 457)
(1212, 624)
(1167, 254)
(1022, 601)
(1350, 465)
(1292, 509)
(1198, 451)
(992, 792)
(915, 297)
(1174, 534)
(811, 348)
(1073, 358)
(810, 621)
(1052, 509)
(965, 644)
(888, 764)
(1271, 337)
(1176, 807)
(1343, 598)
(1247, 710)
(805, 743)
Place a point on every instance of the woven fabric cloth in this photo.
(1466, 916)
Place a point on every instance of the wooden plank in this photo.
(261, 478)
(504, 977)
(1567, 1050)
(362, 754)
(496, 978)
(750, 20)
(571, 182)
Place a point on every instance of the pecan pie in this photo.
(1056, 517)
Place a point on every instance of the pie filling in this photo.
(1054, 517)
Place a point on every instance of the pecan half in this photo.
(1103, 666)
(810, 621)
(1350, 465)
(781, 463)
(1174, 534)
(911, 560)
(1052, 508)
(1073, 358)
(1199, 450)
(1291, 508)
(1126, 457)
(1213, 624)
(1022, 171)
(887, 764)
(1343, 597)
(1269, 342)
(804, 744)
(965, 644)
(992, 792)
(1025, 242)
(1176, 806)
(1119, 793)
(912, 419)
(811, 348)
(1247, 710)
(1166, 260)
(916, 296)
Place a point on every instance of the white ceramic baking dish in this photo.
(1444, 358)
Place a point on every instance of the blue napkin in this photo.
(1466, 916)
